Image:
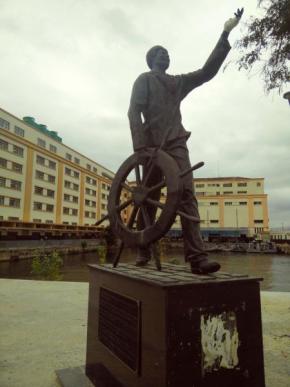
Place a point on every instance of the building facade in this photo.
(44, 181)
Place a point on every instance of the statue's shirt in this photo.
(158, 96)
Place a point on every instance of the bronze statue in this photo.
(155, 120)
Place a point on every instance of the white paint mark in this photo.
(219, 341)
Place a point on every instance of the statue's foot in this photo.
(142, 261)
(204, 267)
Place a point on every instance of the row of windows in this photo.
(44, 191)
(76, 160)
(10, 165)
(220, 193)
(70, 211)
(91, 192)
(70, 198)
(10, 183)
(45, 162)
(256, 203)
(90, 203)
(4, 124)
(44, 176)
(71, 185)
(9, 202)
(71, 173)
(38, 206)
(91, 181)
(90, 214)
(242, 184)
(8, 147)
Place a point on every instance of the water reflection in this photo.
(275, 269)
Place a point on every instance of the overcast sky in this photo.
(71, 65)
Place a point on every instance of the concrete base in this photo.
(43, 328)
(74, 377)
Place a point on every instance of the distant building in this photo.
(231, 206)
(44, 181)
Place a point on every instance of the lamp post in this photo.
(287, 96)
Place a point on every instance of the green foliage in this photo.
(102, 253)
(266, 44)
(47, 266)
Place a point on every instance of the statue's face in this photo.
(161, 59)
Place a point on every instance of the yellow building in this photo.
(44, 181)
(228, 204)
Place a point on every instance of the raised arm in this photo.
(215, 60)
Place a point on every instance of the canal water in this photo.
(274, 269)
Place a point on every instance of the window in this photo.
(49, 222)
(75, 187)
(17, 150)
(4, 145)
(89, 167)
(228, 192)
(40, 160)
(258, 184)
(75, 199)
(257, 203)
(227, 185)
(52, 148)
(49, 207)
(14, 202)
(67, 184)
(13, 218)
(88, 180)
(67, 171)
(51, 164)
(258, 221)
(16, 167)
(103, 196)
(3, 163)
(103, 206)
(93, 192)
(76, 174)
(51, 179)
(94, 204)
(2, 200)
(66, 197)
(19, 131)
(39, 175)
(242, 192)
(38, 190)
(213, 203)
(87, 202)
(95, 170)
(66, 210)
(88, 191)
(37, 206)
(41, 142)
(68, 156)
(87, 214)
(228, 203)
(242, 184)
(74, 212)
(50, 193)
(199, 185)
(214, 221)
(14, 184)
(2, 182)
(243, 203)
(77, 161)
(4, 124)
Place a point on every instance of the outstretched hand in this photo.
(234, 21)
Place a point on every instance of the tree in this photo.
(266, 44)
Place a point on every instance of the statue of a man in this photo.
(155, 110)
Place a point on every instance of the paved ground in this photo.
(43, 328)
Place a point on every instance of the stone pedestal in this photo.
(171, 328)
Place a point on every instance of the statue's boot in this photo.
(204, 266)
(143, 256)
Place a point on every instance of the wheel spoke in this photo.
(126, 187)
(132, 217)
(157, 186)
(137, 173)
(148, 173)
(155, 203)
(145, 216)
(121, 207)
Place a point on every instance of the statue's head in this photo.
(157, 58)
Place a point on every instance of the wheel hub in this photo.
(139, 195)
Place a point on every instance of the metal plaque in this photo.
(119, 326)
